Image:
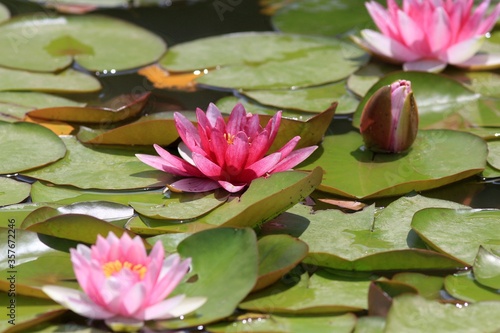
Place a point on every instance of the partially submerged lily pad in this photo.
(263, 60)
(97, 43)
(465, 287)
(12, 191)
(17, 143)
(435, 159)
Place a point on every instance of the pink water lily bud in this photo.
(427, 35)
(228, 155)
(389, 122)
(125, 286)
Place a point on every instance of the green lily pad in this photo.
(465, 287)
(322, 17)
(12, 191)
(97, 43)
(263, 60)
(457, 232)
(487, 268)
(364, 241)
(118, 109)
(438, 97)
(486, 83)
(315, 99)
(44, 192)
(100, 168)
(322, 293)
(490, 172)
(69, 81)
(278, 254)
(185, 206)
(224, 261)
(157, 128)
(435, 159)
(15, 214)
(428, 286)
(494, 154)
(263, 200)
(4, 13)
(370, 324)
(285, 324)
(17, 141)
(364, 78)
(415, 314)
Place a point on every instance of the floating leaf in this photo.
(435, 159)
(120, 108)
(69, 81)
(463, 286)
(494, 154)
(487, 268)
(315, 99)
(322, 293)
(100, 168)
(428, 286)
(457, 232)
(15, 214)
(19, 140)
(364, 241)
(12, 192)
(233, 252)
(97, 43)
(322, 17)
(162, 79)
(157, 128)
(263, 60)
(285, 324)
(185, 206)
(364, 78)
(278, 254)
(370, 324)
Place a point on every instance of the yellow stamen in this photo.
(113, 267)
(229, 138)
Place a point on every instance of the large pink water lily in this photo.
(216, 154)
(429, 34)
(123, 285)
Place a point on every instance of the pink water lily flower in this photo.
(216, 154)
(123, 285)
(429, 34)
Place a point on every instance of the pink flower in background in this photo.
(216, 154)
(428, 34)
(123, 285)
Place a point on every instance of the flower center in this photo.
(229, 138)
(116, 266)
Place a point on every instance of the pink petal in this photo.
(294, 158)
(237, 120)
(173, 271)
(259, 168)
(252, 127)
(187, 131)
(259, 147)
(185, 153)
(433, 66)
(463, 51)
(215, 118)
(272, 128)
(230, 187)
(440, 31)
(188, 305)
(218, 146)
(134, 299)
(412, 34)
(195, 185)
(387, 47)
(488, 24)
(289, 146)
(481, 62)
(207, 167)
(236, 154)
(163, 309)
(381, 18)
(77, 302)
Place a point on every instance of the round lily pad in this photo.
(12, 192)
(100, 168)
(26, 146)
(43, 42)
(435, 159)
(265, 60)
(494, 154)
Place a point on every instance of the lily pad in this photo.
(186, 206)
(17, 142)
(118, 109)
(364, 241)
(263, 60)
(96, 43)
(458, 232)
(100, 168)
(322, 293)
(158, 128)
(278, 254)
(284, 324)
(494, 154)
(435, 159)
(438, 97)
(233, 252)
(315, 99)
(487, 268)
(69, 81)
(428, 286)
(4, 13)
(322, 17)
(12, 192)
(364, 78)
(463, 286)
(414, 314)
